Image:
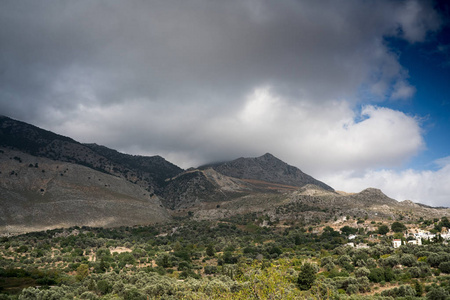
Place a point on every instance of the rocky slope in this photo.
(38, 193)
(155, 168)
(194, 187)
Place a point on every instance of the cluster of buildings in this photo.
(416, 238)
(411, 238)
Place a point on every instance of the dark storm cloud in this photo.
(159, 49)
(197, 80)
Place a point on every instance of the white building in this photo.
(396, 243)
(417, 241)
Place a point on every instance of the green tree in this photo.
(398, 227)
(163, 260)
(418, 288)
(362, 272)
(383, 229)
(104, 287)
(82, 271)
(347, 230)
(210, 251)
(306, 277)
(126, 258)
(408, 260)
(437, 294)
(376, 275)
(445, 267)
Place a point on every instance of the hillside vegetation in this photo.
(243, 258)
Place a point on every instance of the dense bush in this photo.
(445, 267)
(307, 276)
(402, 291)
(438, 294)
(381, 274)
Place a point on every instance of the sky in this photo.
(355, 93)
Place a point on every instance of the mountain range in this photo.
(48, 180)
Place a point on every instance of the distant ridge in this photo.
(155, 166)
(266, 168)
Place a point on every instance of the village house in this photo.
(396, 243)
(417, 241)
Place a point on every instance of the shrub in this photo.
(104, 287)
(381, 274)
(402, 291)
(414, 272)
(445, 267)
(360, 272)
(307, 276)
(133, 294)
(408, 260)
(163, 260)
(437, 294)
(210, 269)
(398, 227)
(383, 229)
(376, 275)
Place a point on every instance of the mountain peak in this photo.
(373, 191)
(374, 196)
(267, 168)
(268, 155)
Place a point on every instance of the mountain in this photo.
(50, 181)
(267, 168)
(147, 172)
(232, 180)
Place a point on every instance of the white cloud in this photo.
(428, 187)
(196, 81)
(415, 31)
(402, 90)
(315, 137)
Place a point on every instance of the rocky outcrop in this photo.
(196, 186)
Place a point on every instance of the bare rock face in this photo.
(267, 168)
(38, 193)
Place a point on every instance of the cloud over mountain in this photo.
(200, 81)
(430, 187)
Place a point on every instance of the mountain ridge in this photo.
(40, 142)
(48, 181)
